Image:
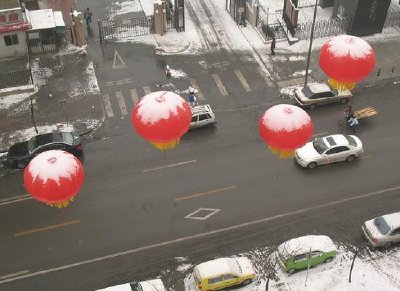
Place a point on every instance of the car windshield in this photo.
(68, 138)
(307, 91)
(351, 140)
(381, 225)
(319, 145)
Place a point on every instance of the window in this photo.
(3, 18)
(194, 118)
(214, 280)
(203, 117)
(396, 232)
(315, 253)
(11, 39)
(229, 276)
(299, 257)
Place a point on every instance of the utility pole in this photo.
(311, 40)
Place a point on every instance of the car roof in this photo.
(335, 139)
(214, 268)
(201, 109)
(319, 87)
(393, 219)
(55, 136)
(301, 245)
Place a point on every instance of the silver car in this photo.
(316, 94)
(202, 116)
(329, 149)
(383, 230)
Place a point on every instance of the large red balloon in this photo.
(346, 60)
(162, 117)
(54, 177)
(285, 128)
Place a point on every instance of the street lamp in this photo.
(62, 103)
(311, 40)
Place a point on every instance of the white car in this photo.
(202, 115)
(329, 149)
(383, 230)
(150, 285)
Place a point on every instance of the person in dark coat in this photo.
(273, 43)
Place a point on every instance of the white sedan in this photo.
(383, 230)
(329, 149)
(149, 285)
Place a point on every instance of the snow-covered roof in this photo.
(58, 18)
(393, 219)
(215, 267)
(45, 19)
(302, 245)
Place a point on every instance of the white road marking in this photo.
(13, 274)
(194, 84)
(118, 62)
(168, 166)
(210, 212)
(220, 85)
(134, 96)
(107, 104)
(15, 197)
(121, 102)
(146, 90)
(199, 235)
(242, 80)
(15, 200)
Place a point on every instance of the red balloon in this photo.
(285, 128)
(54, 177)
(346, 59)
(162, 117)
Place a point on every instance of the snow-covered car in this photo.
(150, 285)
(383, 230)
(202, 115)
(329, 149)
(223, 272)
(316, 94)
(310, 250)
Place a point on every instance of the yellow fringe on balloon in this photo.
(61, 204)
(335, 84)
(163, 146)
(282, 154)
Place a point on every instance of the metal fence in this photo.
(15, 78)
(323, 28)
(113, 29)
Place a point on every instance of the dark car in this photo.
(20, 154)
(317, 94)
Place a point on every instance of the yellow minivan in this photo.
(223, 272)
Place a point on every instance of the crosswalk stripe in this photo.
(146, 90)
(107, 105)
(134, 96)
(242, 80)
(266, 78)
(220, 86)
(121, 103)
(194, 84)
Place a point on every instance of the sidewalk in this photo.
(66, 92)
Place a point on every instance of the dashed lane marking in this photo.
(41, 229)
(168, 166)
(146, 90)
(204, 193)
(242, 80)
(134, 96)
(220, 85)
(288, 213)
(121, 102)
(14, 274)
(194, 84)
(107, 105)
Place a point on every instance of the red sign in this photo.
(13, 17)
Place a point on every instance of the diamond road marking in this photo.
(208, 212)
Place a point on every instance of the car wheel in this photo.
(343, 100)
(291, 271)
(246, 282)
(328, 260)
(22, 164)
(350, 158)
(313, 106)
(312, 165)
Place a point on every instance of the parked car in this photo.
(20, 154)
(329, 149)
(316, 94)
(202, 115)
(383, 230)
(223, 272)
(150, 285)
(299, 253)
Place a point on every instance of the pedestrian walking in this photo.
(88, 17)
(273, 43)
